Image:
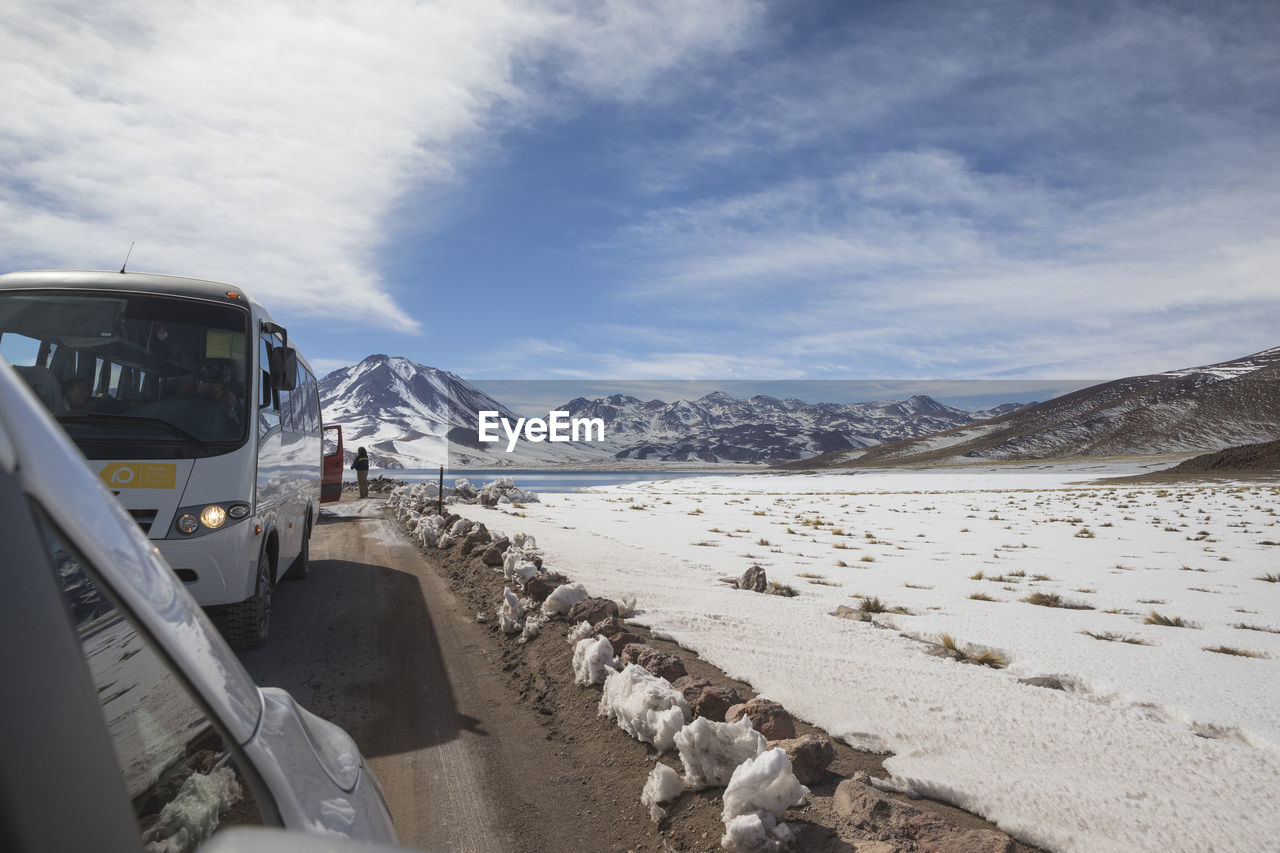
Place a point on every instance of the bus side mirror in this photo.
(284, 368)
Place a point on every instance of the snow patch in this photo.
(509, 612)
(711, 751)
(562, 599)
(663, 786)
(645, 706)
(193, 815)
(761, 789)
(593, 661)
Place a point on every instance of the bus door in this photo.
(331, 480)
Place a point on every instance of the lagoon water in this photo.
(545, 480)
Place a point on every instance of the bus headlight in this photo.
(213, 516)
(192, 521)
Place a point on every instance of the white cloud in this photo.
(267, 143)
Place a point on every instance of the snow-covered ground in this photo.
(1158, 743)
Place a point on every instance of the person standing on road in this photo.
(361, 467)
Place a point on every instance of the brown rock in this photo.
(810, 756)
(869, 807)
(593, 610)
(713, 701)
(659, 663)
(616, 633)
(475, 538)
(935, 834)
(493, 555)
(844, 611)
(540, 586)
(767, 717)
(691, 686)
(753, 579)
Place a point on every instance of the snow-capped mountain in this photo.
(411, 416)
(1192, 409)
(721, 428)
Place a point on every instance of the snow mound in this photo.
(593, 661)
(663, 786)
(760, 790)
(532, 626)
(753, 833)
(562, 599)
(711, 751)
(509, 612)
(504, 491)
(581, 632)
(193, 815)
(645, 706)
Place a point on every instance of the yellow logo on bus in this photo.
(140, 475)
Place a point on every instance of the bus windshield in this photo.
(131, 375)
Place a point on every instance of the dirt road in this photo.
(374, 641)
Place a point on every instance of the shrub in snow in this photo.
(593, 661)
(509, 612)
(646, 707)
(581, 632)
(663, 786)
(562, 599)
(711, 751)
(760, 790)
(193, 815)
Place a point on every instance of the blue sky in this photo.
(672, 190)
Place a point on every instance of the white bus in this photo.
(193, 408)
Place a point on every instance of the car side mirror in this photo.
(284, 368)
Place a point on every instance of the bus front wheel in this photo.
(248, 621)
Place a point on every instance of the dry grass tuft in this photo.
(1270, 577)
(1243, 627)
(1116, 638)
(1230, 650)
(980, 596)
(1154, 618)
(968, 655)
(781, 589)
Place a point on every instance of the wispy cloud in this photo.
(986, 192)
(267, 143)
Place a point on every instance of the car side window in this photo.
(183, 781)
